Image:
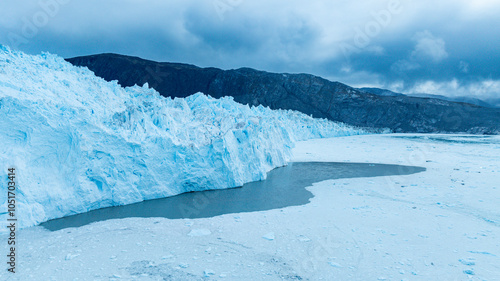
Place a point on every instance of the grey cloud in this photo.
(425, 41)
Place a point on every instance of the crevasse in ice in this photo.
(80, 143)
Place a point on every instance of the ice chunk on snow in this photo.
(269, 236)
(80, 143)
(199, 232)
(303, 238)
(208, 272)
(70, 256)
(468, 261)
(469, 272)
(334, 264)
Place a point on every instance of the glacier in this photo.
(80, 143)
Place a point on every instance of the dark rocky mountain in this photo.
(380, 92)
(476, 101)
(303, 92)
(456, 99)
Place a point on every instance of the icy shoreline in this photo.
(283, 187)
(80, 143)
(425, 226)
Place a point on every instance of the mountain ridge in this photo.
(306, 93)
(459, 99)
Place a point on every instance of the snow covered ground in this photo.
(442, 224)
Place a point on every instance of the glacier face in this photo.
(80, 143)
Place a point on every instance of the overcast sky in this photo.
(447, 47)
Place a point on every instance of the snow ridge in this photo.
(80, 143)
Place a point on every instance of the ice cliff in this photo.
(80, 143)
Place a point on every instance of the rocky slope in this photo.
(303, 92)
